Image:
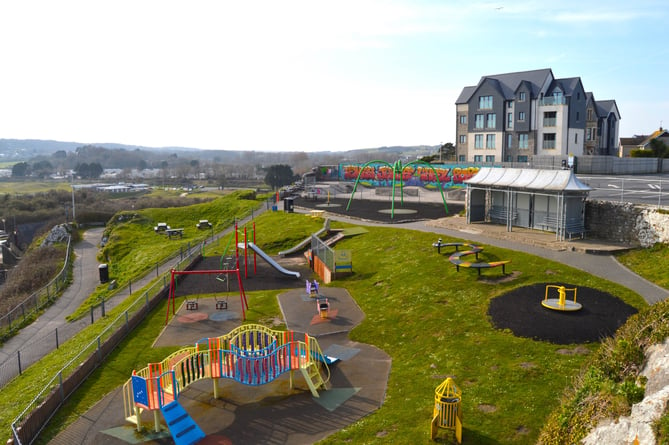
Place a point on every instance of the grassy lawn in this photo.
(429, 318)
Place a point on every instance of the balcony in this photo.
(550, 121)
(553, 100)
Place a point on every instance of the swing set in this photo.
(228, 267)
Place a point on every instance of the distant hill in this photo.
(113, 155)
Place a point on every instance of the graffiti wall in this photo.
(420, 175)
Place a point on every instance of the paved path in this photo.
(589, 255)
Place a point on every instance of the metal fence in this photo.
(30, 422)
(27, 426)
(31, 306)
(325, 253)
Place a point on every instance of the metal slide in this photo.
(269, 259)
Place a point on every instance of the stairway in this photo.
(312, 375)
(183, 428)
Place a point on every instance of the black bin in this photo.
(288, 205)
(104, 273)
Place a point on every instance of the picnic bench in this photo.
(175, 232)
(456, 257)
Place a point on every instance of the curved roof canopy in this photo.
(528, 179)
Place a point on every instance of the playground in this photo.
(278, 412)
(245, 405)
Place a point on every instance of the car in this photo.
(161, 227)
(203, 224)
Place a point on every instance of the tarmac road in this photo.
(85, 279)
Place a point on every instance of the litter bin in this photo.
(288, 205)
(104, 273)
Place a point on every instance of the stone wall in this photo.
(626, 223)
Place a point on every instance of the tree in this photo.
(659, 148)
(20, 169)
(89, 171)
(279, 175)
(447, 152)
(42, 168)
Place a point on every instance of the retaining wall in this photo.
(626, 223)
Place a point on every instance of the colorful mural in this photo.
(381, 175)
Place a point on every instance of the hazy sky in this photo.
(308, 75)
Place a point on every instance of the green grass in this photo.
(429, 318)
(30, 187)
(638, 261)
(134, 248)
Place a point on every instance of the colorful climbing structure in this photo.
(250, 354)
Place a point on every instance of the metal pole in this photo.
(74, 216)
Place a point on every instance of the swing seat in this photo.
(191, 305)
(221, 305)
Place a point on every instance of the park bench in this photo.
(175, 232)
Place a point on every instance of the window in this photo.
(478, 141)
(491, 120)
(578, 116)
(521, 96)
(588, 134)
(509, 120)
(485, 102)
(463, 119)
(463, 138)
(480, 120)
(575, 138)
(522, 158)
(478, 158)
(490, 158)
(523, 140)
(549, 141)
(521, 116)
(489, 141)
(509, 158)
(589, 114)
(462, 158)
(509, 141)
(509, 104)
(550, 118)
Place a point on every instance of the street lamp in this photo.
(74, 217)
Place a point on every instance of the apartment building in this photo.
(514, 116)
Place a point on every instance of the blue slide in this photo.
(182, 427)
(269, 259)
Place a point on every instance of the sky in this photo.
(311, 75)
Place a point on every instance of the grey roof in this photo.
(604, 107)
(568, 84)
(528, 179)
(509, 82)
(465, 95)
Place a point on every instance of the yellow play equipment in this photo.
(447, 412)
(561, 303)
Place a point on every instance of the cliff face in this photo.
(639, 424)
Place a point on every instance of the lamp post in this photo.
(74, 217)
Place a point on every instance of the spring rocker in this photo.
(447, 412)
(323, 306)
(312, 289)
(561, 303)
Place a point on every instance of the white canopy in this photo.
(528, 179)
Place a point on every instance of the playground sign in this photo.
(343, 260)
